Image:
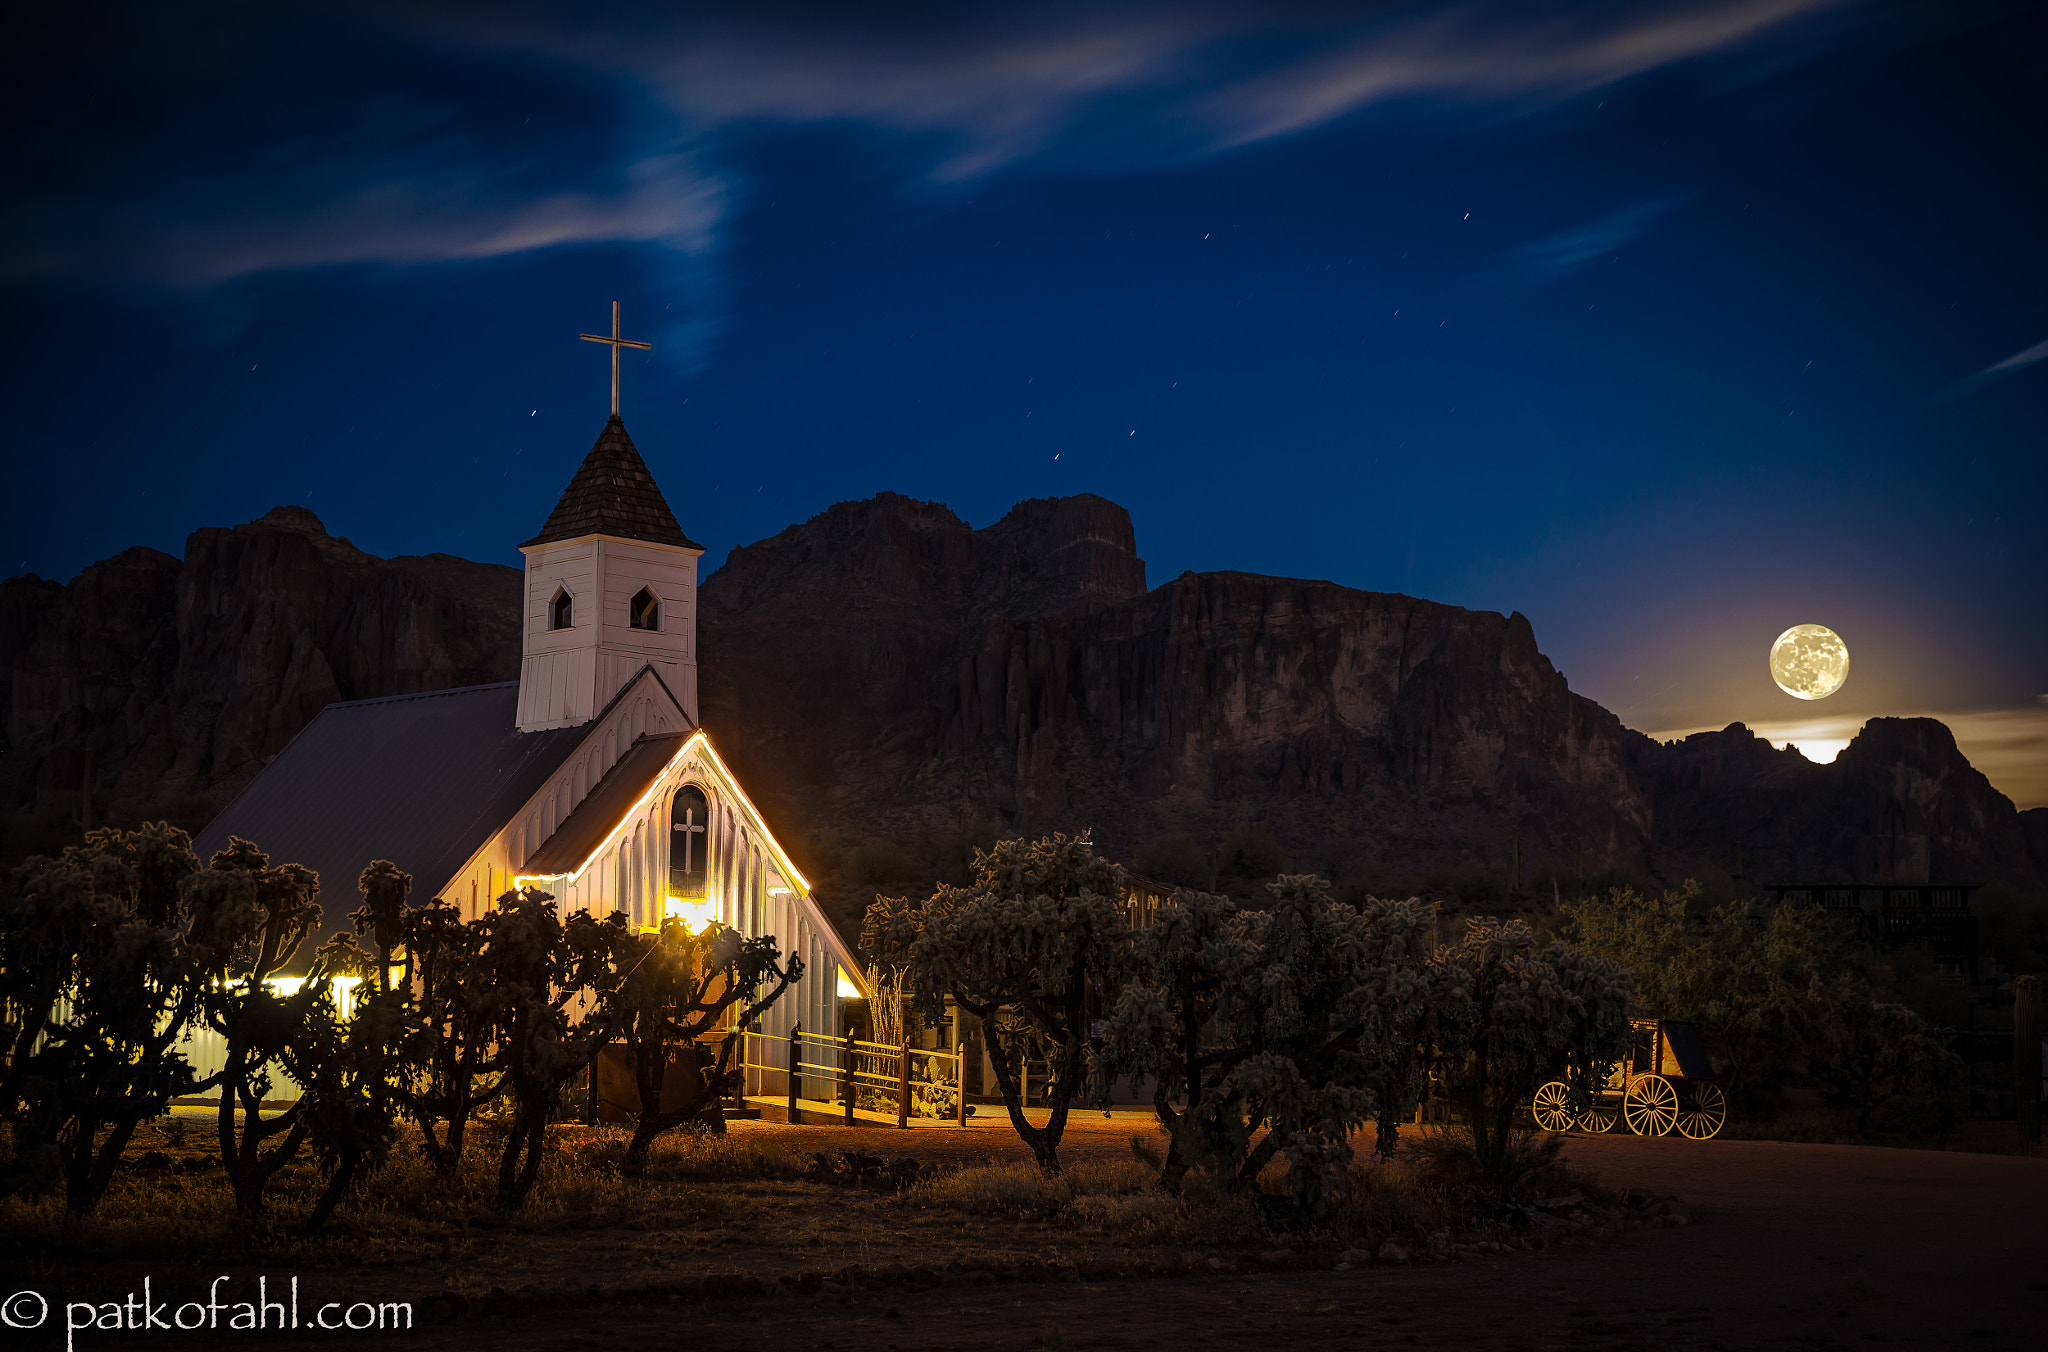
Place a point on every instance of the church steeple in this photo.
(611, 587)
(613, 494)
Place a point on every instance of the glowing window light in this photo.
(344, 988)
(695, 915)
(847, 990)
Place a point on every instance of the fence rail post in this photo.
(959, 1068)
(903, 1082)
(789, 1080)
(846, 1056)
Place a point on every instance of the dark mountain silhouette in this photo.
(884, 673)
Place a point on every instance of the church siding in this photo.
(630, 869)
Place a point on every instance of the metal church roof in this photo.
(421, 780)
(613, 494)
(605, 805)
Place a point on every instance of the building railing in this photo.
(852, 1073)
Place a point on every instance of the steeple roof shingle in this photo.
(613, 494)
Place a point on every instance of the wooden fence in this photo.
(812, 1067)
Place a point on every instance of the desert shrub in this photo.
(674, 987)
(1531, 1165)
(1173, 859)
(1477, 888)
(97, 986)
(1392, 1198)
(1024, 949)
(2013, 926)
(1882, 1061)
(1783, 991)
(1282, 1030)
(1121, 1199)
(1515, 1011)
(1250, 851)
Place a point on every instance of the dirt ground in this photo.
(1791, 1246)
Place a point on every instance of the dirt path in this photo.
(1792, 1246)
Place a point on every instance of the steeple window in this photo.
(645, 612)
(561, 610)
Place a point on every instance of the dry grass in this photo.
(1414, 1194)
(701, 1190)
(1024, 1191)
(405, 1209)
(1534, 1165)
(1384, 1199)
(1120, 1200)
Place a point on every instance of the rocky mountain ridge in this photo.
(162, 680)
(885, 672)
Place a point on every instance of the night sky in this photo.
(1668, 325)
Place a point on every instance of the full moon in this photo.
(1809, 661)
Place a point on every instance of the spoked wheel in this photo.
(1651, 1106)
(1553, 1106)
(1598, 1119)
(1706, 1108)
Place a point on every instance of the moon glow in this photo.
(1809, 661)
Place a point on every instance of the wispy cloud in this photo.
(1572, 249)
(1473, 55)
(2023, 358)
(1990, 375)
(353, 135)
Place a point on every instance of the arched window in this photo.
(560, 610)
(689, 847)
(645, 612)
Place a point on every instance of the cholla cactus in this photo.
(96, 992)
(1028, 947)
(1304, 1020)
(550, 986)
(676, 986)
(248, 920)
(1513, 1008)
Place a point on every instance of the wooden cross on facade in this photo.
(616, 343)
(687, 828)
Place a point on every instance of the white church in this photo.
(589, 777)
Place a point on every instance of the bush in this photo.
(1173, 859)
(1531, 1165)
(1250, 851)
(1121, 1199)
(2013, 926)
(1782, 991)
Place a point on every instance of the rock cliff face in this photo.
(886, 672)
(164, 678)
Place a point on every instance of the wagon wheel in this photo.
(1705, 1110)
(1553, 1106)
(1598, 1119)
(1651, 1106)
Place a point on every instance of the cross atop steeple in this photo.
(616, 343)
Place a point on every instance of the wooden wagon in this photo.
(1665, 1082)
